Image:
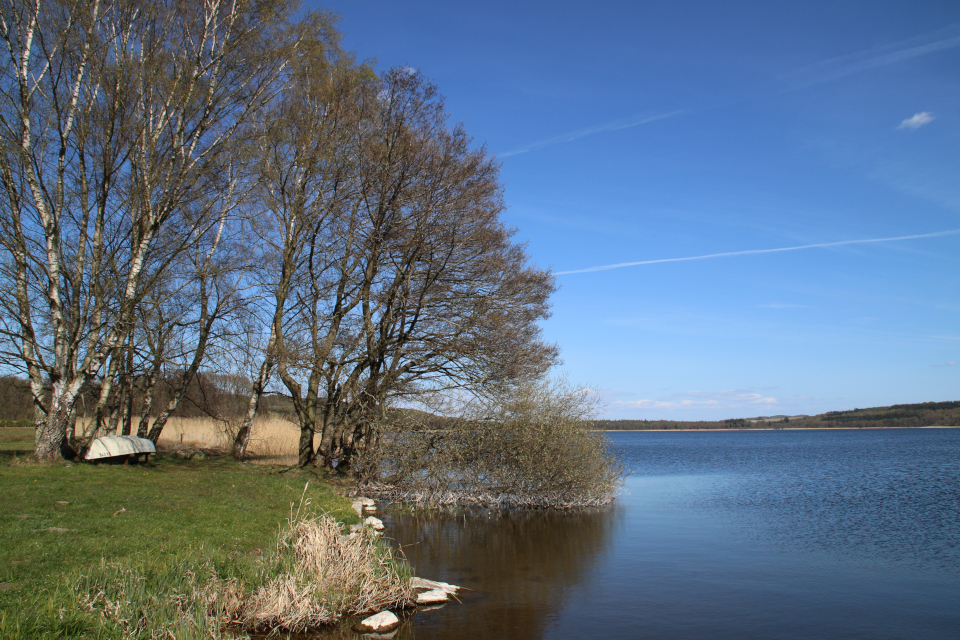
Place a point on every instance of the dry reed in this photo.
(272, 441)
(321, 575)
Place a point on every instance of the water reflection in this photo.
(519, 566)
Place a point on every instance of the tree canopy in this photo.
(217, 186)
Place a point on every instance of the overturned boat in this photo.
(120, 449)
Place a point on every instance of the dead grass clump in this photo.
(321, 575)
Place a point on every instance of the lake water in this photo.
(745, 534)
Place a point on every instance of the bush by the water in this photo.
(528, 446)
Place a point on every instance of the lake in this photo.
(742, 534)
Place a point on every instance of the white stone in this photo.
(355, 528)
(376, 523)
(383, 621)
(358, 507)
(433, 596)
(367, 502)
(420, 583)
(371, 509)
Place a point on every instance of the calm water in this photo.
(771, 534)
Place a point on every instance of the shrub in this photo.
(528, 446)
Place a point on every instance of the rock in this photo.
(379, 623)
(358, 507)
(367, 502)
(376, 523)
(434, 596)
(420, 583)
(369, 508)
(354, 528)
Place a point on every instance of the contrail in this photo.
(589, 131)
(750, 252)
(835, 68)
(817, 73)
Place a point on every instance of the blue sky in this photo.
(658, 132)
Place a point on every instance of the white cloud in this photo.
(917, 121)
(782, 305)
(646, 404)
(723, 399)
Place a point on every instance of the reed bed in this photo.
(273, 440)
(320, 575)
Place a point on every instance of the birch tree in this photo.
(116, 118)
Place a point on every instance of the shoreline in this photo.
(772, 429)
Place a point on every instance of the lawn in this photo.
(17, 439)
(59, 523)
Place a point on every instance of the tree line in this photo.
(923, 414)
(210, 188)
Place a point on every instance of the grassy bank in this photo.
(75, 529)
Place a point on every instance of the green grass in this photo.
(19, 439)
(60, 525)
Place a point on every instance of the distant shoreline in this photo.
(773, 429)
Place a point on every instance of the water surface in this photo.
(747, 534)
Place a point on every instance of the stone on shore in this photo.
(379, 623)
(420, 583)
(434, 596)
(376, 523)
(362, 504)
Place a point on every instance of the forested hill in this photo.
(925, 414)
